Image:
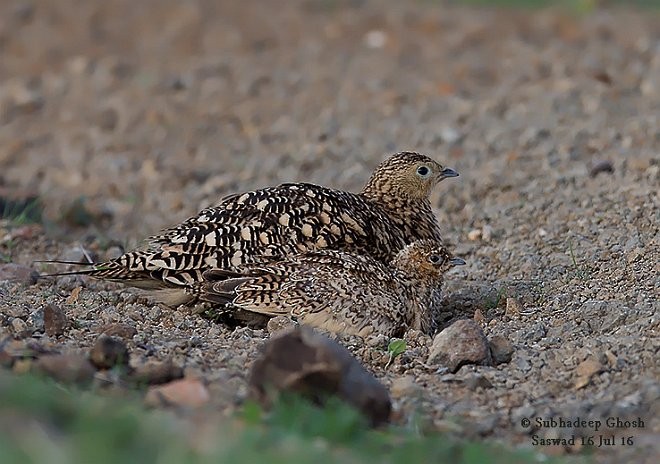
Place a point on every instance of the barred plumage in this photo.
(338, 291)
(265, 225)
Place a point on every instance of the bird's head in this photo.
(426, 258)
(406, 175)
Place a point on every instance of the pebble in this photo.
(461, 343)
(116, 329)
(187, 392)
(601, 166)
(156, 372)
(474, 235)
(67, 368)
(477, 381)
(501, 349)
(404, 386)
(20, 328)
(109, 352)
(486, 233)
(55, 320)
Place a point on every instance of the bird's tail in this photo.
(97, 269)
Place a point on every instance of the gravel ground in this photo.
(124, 118)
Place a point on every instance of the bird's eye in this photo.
(424, 172)
(435, 259)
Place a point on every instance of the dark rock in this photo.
(311, 364)
(68, 368)
(461, 343)
(600, 166)
(55, 320)
(156, 372)
(501, 349)
(109, 352)
(124, 331)
(478, 381)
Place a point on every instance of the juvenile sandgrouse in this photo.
(265, 225)
(338, 291)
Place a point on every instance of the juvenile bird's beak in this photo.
(448, 172)
(457, 262)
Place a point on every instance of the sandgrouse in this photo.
(338, 291)
(265, 225)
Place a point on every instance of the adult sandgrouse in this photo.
(338, 291)
(261, 226)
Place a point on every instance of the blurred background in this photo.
(124, 117)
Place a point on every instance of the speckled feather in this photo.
(265, 225)
(338, 291)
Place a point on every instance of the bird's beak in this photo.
(448, 172)
(457, 262)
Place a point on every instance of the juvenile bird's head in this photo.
(425, 259)
(406, 175)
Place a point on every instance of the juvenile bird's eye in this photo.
(423, 172)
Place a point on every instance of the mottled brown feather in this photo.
(339, 291)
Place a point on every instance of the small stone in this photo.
(474, 235)
(375, 38)
(124, 331)
(585, 371)
(109, 352)
(589, 367)
(156, 372)
(279, 323)
(479, 317)
(308, 363)
(461, 343)
(501, 349)
(20, 328)
(189, 392)
(404, 386)
(601, 166)
(107, 119)
(68, 368)
(478, 381)
(377, 340)
(12, 272)
(611, 359)
(55, 320)
(513, 307)
(486, 233)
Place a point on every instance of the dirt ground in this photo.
(125, 117)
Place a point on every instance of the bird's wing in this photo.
(253, 228)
